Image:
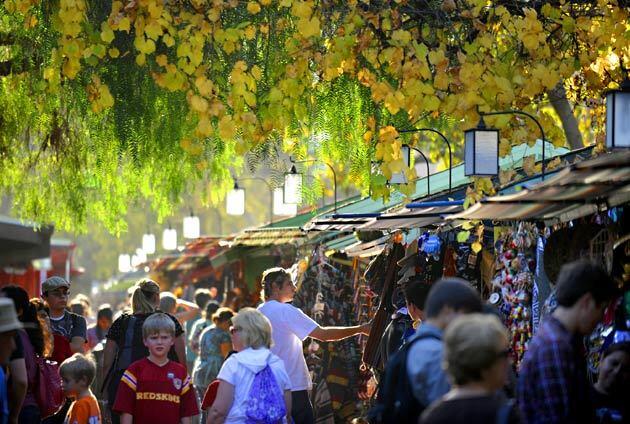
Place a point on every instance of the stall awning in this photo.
(370, 214)
(578, 190)
(20, 242)
(423, 216)
(367, 249)
(270, 237)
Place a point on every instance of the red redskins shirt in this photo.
(156, 394)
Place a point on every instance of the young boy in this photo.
(77, 373)
(155, 389)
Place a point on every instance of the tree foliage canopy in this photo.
(105, 103)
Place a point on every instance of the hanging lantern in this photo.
(191, 226)
(401, 177)
(481, 151)
(281, 208)
(293, 187)
(148, 244)
(618, 117)
(169, 239)
(235, 201)
(124, 263)
(139, 258)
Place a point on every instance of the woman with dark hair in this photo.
(610, 393)
(35, 340)
(124, 340)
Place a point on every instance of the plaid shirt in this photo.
(552, 386)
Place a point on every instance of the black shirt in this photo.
(473, 410)
(139, 350)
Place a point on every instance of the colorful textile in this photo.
(156, 394)
(210, 359)
(553, 387)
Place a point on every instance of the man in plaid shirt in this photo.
(553, 386)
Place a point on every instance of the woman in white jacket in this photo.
(235, 401)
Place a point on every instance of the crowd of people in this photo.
(167, 360)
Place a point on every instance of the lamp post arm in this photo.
(427, 162)
(450, 151)
(533, 118)
(270, 193)
(331, 169)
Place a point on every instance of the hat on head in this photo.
(53, 283)
(8, 317)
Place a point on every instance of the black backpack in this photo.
(395, 402)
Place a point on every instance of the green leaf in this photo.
(462, 236)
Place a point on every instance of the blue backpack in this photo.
(265, 402)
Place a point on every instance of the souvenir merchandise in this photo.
(514, 280)
(326, 295)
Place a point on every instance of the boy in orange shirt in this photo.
(77, 374)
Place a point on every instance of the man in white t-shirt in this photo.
(290, 326)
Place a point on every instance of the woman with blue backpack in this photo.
(253, 383)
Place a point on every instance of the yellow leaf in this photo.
(253, 7)
(107, 35)
(302, 9)
(250, 32)
(529, 165)
(476, 247)
(114, 52)
(124, 24)
(227, 128)
(168, 40)
(309, 27)
(256, 72)
(161, 60)
(153, 30)
(141, 59)
(204, 127)
(199, 104)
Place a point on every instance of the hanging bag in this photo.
(49, 391)
(265, 404)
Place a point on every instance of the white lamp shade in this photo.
(191, 227)
(481, 152)
(124, 263)
(169, 239)
(141, 257)
(235, 202)
(148, 244)
(401, 177)
(293, 188)
(618, 119)
(281, 208)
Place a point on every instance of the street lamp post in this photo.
(520, 112)
(294, 172)
(406, 154)
(618, 116)
(448, 145)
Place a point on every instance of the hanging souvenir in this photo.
(514, 280)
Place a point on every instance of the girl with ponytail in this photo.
(124, 340)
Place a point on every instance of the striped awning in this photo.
(270, 237)
(581, 189)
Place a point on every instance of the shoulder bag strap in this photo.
(124, 353)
